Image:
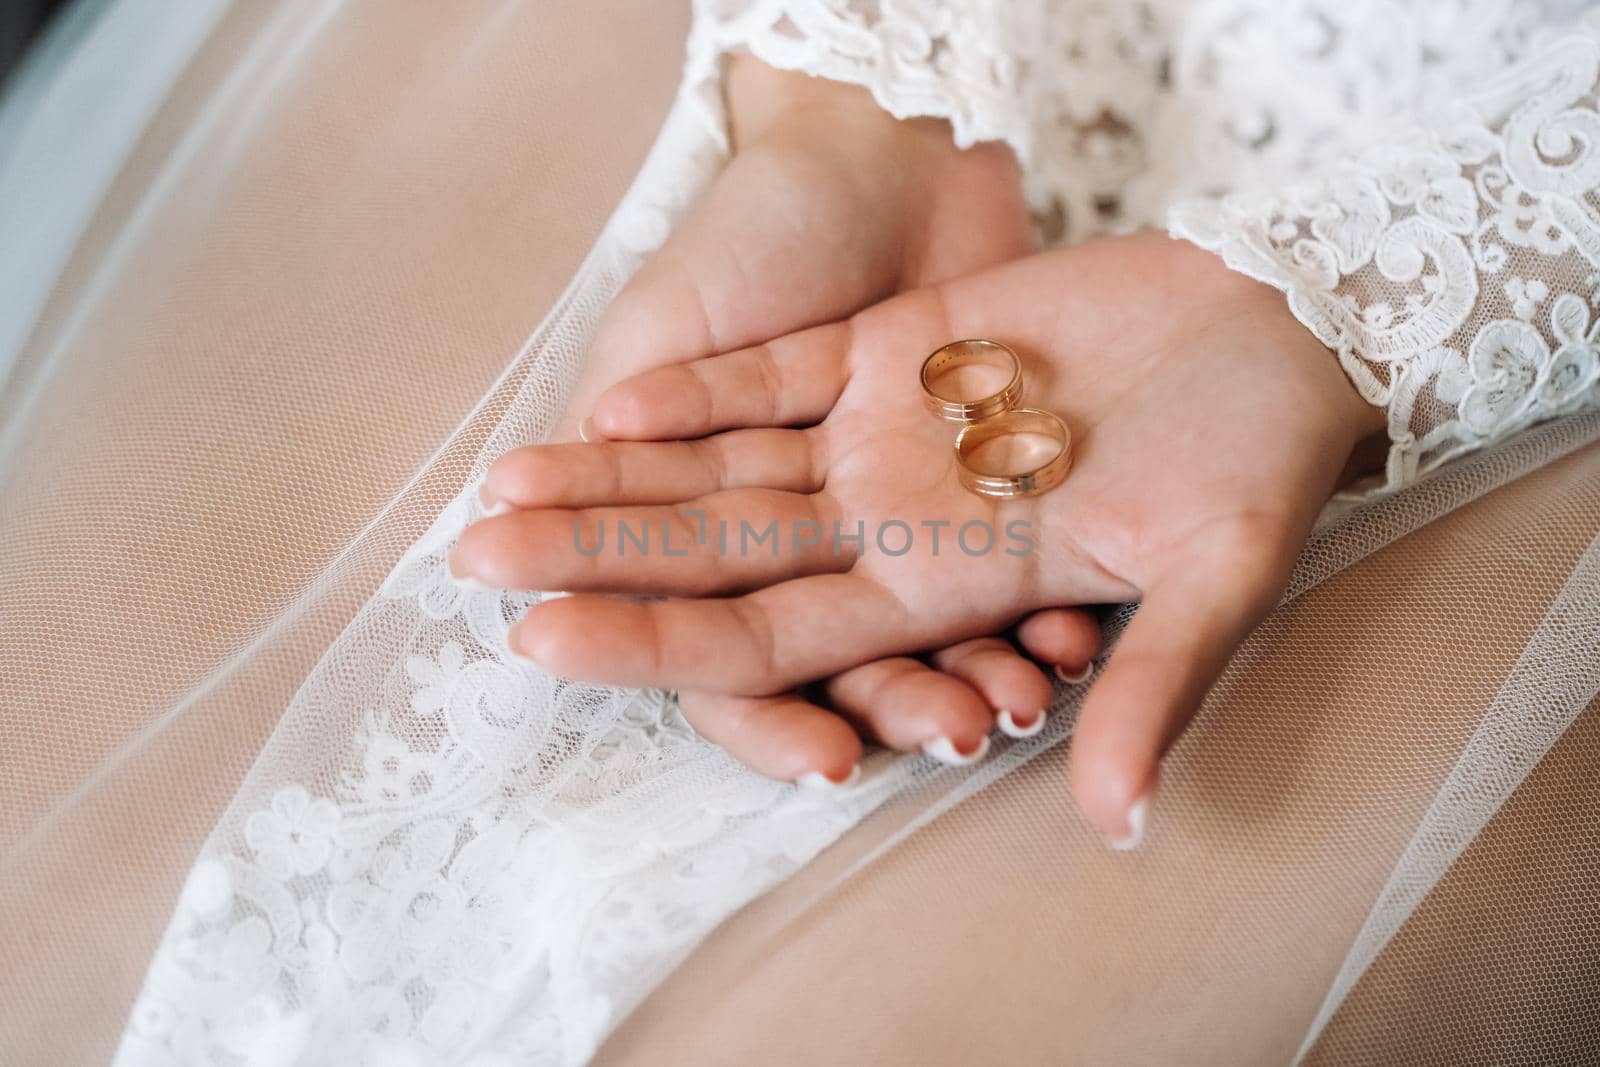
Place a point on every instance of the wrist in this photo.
(910, 165)
(1361, 427)
(764, 101)
(1355, 430)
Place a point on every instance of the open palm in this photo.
(828, 206)
(1209, 429)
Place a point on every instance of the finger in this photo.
(657, 472)
(1066, 638)
(1016, 690)
(791, 381)
(733, 273)
(909, 706)
(1180, 639)
(699, 295)
(722, 543)
(661, 311)
(761, 643)
(784, 737)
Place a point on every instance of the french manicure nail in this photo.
(586, 430)
(1009, 727)
(944, 750)
(1076, 679)
(1137, 814)
(466, 581)
(486, 500)
(816, 780)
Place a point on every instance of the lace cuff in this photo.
(959, 60)
(1454, 269)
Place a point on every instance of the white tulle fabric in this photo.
(444, 855)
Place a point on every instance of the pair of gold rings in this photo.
(1002, 450)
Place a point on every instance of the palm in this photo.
(1172, 457)
(1176, 465)
(1209, 429)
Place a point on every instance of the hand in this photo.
(1209, 429)
(829, 205)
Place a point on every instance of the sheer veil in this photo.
(273, 791)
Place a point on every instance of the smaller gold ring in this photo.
(973, 352)
(1041, 479)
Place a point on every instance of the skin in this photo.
(828, 206)
(1209, 429)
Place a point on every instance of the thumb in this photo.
(738, 272)
(1187, 627)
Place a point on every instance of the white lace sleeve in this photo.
(960, 60)
(1454, 267)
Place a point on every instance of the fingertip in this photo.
(1110, 779)
(552, 636)
(519, 549)
(524, 478)
(1017, 685)
(838, 751)
(620, 413)
(475, 556)
(526, 638)
(1115, 799)
(960, 717)
(790, 739)
(1068, 638)
(945, 749)
(783, 737)
(827, 783)
(497, 487)
(1007, 681)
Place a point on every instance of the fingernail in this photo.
(491, 504)
(816, 780)
(554, 594)
(1137, 813)
(465, 581)
(514, 644)
(1010, 727)
(1076, 679)
(586, 430)
(944, 750)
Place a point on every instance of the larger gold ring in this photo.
(1041, 478)
(977, 352)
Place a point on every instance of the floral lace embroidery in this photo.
(1453, 269)
(1133, 106)
(494, 865)
(957, 61)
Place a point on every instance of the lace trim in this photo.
(1455, 271)
(958, 61)
(1450, 271)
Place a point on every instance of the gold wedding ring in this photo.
(959, 380)
(1017, 453)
